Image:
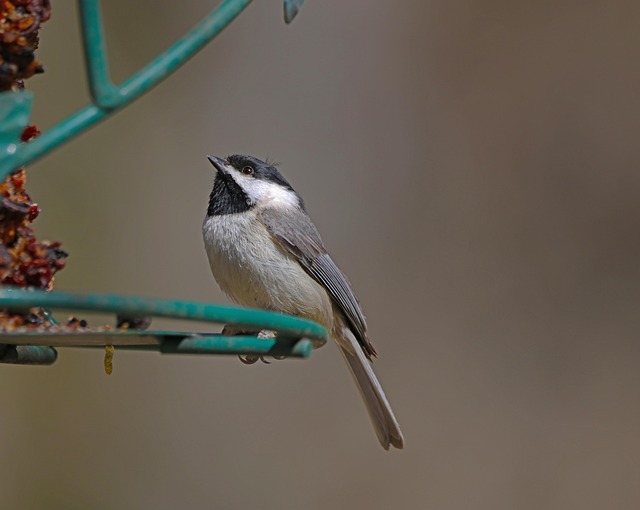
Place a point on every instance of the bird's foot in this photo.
(251, 359)
(268, 333)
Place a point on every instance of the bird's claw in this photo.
(251, 359)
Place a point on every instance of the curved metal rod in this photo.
(285, 325)
(107, 96)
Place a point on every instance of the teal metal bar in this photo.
(15, 108)
(237, 345)
(36, 346)
(291, 8)
(103, 91)
(108, 97)
(296, 337)
(27, 354)
(190, 310)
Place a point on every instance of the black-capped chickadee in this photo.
(265, 252)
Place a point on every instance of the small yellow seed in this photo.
(108, 359)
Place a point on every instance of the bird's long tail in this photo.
(382, 417)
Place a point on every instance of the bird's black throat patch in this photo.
(227, 197)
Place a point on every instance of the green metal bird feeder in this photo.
(28, 345)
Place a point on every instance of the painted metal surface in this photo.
(296, 336)
(107, 97)
(29, 347)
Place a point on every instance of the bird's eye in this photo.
(247, 170)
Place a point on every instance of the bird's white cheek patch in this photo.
(263, 192)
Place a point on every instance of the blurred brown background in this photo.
(473, 167)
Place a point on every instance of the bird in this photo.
(265, 252)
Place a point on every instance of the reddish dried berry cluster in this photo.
(19, 24)
(24, 261)
(29, 133)
(36, 320)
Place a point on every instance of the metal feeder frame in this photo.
(296, 337)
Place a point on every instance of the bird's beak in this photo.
(218, 163)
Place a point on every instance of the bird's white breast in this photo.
(254, 272)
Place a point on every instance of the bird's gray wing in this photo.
(298, 236)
